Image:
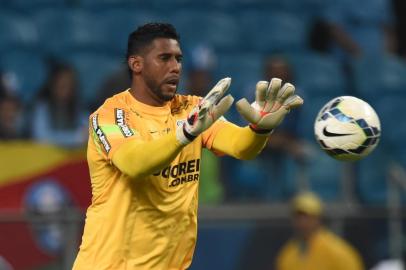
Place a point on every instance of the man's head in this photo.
(307, 209)
(277, 66)
(154, 60)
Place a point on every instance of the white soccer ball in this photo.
(347, 128)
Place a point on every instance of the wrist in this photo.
(183, 136)
(260, 131)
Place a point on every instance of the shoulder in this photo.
(117, 103)
(336, 244)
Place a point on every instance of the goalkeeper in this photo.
(144, 156)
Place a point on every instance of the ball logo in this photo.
(332, 134)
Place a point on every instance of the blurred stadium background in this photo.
(333, 48)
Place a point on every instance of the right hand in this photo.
(204, 114)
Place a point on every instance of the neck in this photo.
(141, 92)
(307, 236)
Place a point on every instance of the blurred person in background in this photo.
(199, 78)
(354, 28)
(57, 117)
(144, 155)
(118, 81)
(283, 152)
(285, 140)
(399, 7)
(313, 247)
(11, 118)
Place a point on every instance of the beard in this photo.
(157, 89)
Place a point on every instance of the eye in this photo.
(179, 58)
(164, 57)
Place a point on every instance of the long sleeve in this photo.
(239, 142)
(137, 159)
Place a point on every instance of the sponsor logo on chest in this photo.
(181, 173)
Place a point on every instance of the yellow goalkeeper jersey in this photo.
(148, 223)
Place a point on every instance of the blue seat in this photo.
(118, 23)
(108, 4)
(266, 178)
(379, 75)
(372, 176)
(85, 31)
(217, 29)
(318, 75)
(324, 174)
(27, 69)
(93, 68)
(52, 25)
(390, 111)
(230, 244)
(245, 180)
(245, 69)
(269, 31)
(62, 30)
(35, 4)
(16, 31)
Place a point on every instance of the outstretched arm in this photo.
(239, 142)
(272, 102)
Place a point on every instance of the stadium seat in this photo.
(52, 27)
(379, 75)
(16, 31)
(389, 110)
(85, 31)
(26, 69)
(108, 4)
(93, 68)
(62, 30)
(230, 243)
(372, 176)
(217, 29)
(245, 69)
(25, 5)
(318, 75)
(118, 23)
(269, 31)
(245, 180)
(324, 174)
(248, 180)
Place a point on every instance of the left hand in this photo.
(272, 102)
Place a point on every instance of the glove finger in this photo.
(272, 93)
(287, 90)
(222, 107)
(293, 102)
(247, 111)
(260, 91)
(217, 92)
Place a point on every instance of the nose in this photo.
(176, 66)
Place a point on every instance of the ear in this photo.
(136, 63)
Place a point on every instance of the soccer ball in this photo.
(347, 128)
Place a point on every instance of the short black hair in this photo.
(146, 33)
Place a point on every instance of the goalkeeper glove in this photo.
(272, 103)
(204, 114)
